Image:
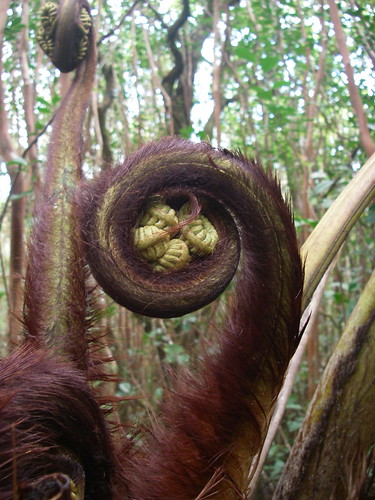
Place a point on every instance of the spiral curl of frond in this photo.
(213, 422)
(64, 33)
(164, 258)
(149, 194)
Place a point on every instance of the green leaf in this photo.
(13, 28)
(370, 219)
(269, 62)
(281, 83)
(245, 53)
(294, 406)
(261, 92)
(17, 161)
(43, 101)
(280, 110)
(294, 425)
(300, 50)
(202, 135)
(303, 221)
(175, 354)
(125, 388)
(186, 132)
(55, 98)
(324, 186)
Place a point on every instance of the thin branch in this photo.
(176, 71)
(158, 84)
(216, 71)
(19, 169)
(157, 15)
(4, 278)
(38, 136)
(119, 25)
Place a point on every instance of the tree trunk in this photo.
(364, 133)
(18, 204)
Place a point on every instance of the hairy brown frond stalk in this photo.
(55, 309)
(215, 419)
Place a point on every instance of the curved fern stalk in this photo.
(213, 422)
(54, 440)
(324, 242)
(55, 296)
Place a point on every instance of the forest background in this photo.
(290, 82)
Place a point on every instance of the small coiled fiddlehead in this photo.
(64, 33)
(213, 422)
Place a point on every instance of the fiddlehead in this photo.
(212, 424)
(64, 33)
(120, 202)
